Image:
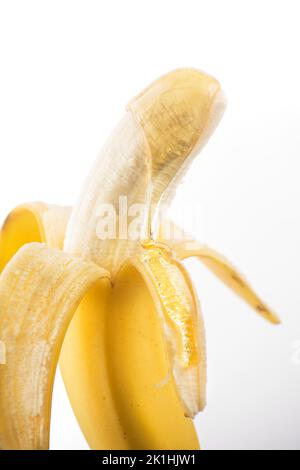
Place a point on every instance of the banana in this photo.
(133, 357)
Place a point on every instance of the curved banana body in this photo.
(133, 356)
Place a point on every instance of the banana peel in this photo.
(40, 289)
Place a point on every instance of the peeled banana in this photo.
(109, 299)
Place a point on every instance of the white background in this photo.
(67, 70)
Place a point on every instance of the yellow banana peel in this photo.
(120, 313)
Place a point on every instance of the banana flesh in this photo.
(122, 169)
(178, 113)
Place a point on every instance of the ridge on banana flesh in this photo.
(138, 343)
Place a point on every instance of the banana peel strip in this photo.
(221, 267)
(182, 321)
(40, 289)
(32, 222)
